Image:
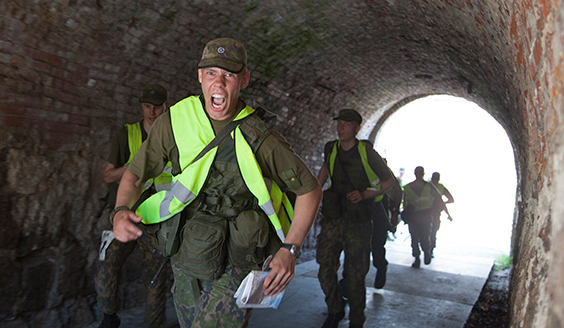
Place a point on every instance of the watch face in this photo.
(296, 251)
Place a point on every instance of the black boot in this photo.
(110, 321)
(427, 258)
(416, 263)
(380, 280)
(332, 320)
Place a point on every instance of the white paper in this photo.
(251, 292)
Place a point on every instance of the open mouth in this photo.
(218, 101)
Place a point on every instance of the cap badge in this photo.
(221, 50)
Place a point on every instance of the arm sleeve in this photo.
(281, 164)
(448, 195)
(378, 164)
(156, 151)
(119, 152)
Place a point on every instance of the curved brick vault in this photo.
(71, 71)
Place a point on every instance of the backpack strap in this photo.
(255, 131)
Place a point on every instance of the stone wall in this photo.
(72, 71)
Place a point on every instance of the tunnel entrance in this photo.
(472, 152)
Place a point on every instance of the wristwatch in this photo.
(295, 250)
(117, 209)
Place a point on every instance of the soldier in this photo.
(220, 192)
(359, 177)
(419, 197)
(436, 213)
(113, 252)
(380, 227)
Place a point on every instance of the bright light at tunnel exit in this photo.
(474, 156)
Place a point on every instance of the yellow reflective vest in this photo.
(372, 177)
(441, 189)
(419, 202)
(134, 141)
(192, 131)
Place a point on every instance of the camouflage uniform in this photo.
(109, 273)
(420, 231)
(379, 237)
(210, 303)
(214, 305)
(223, 195)
(351, 232)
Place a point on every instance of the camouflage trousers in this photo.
(210, 304)
(352, 237)
(420, 230)
(379, 237)
(109, 273)
(435, 225)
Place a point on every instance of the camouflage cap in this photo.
(154, 94)
(349, 115)
(225, 53)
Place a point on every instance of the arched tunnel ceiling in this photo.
(318, 56)
(308, 59)
(72, 70)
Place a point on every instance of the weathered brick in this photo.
(79, 119)
(19, 122)
(46, 114)
(68, 145)
(69, 98)
(44, 56)
(77, 68)
(87, 61)
(40, 66)
(8, 109)
(5, 58)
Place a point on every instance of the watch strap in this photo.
(295, 250)
(117, 209)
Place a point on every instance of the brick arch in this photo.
(72, 71)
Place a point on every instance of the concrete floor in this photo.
(437, 295)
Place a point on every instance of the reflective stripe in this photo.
(164, 208)
(281, 235)
(162, 187)
(419, 202)
(178, 191)
(268, 208)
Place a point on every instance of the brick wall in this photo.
(71, 72)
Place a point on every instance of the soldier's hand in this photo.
(124, 227)
(354, 196)
(449, 218)
(283, 265)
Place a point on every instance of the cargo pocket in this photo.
(202, 251)
(164, 235)
(248, 238)
(330, 207)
